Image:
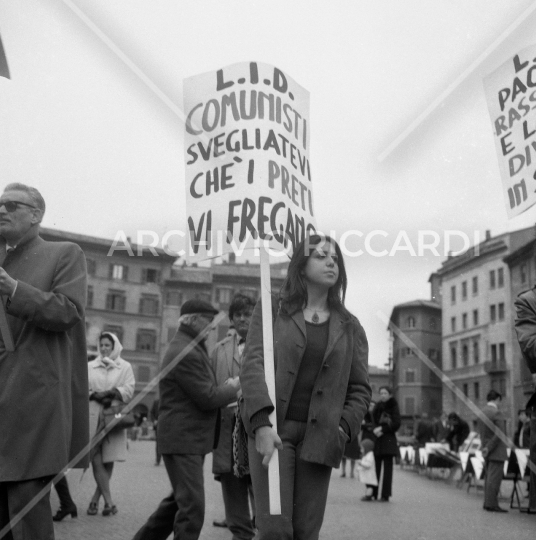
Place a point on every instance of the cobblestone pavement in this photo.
(421, 509)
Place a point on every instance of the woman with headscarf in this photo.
(111, 383)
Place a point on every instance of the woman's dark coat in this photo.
(386, 444)
(341, 389)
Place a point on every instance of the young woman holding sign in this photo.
(322, 390)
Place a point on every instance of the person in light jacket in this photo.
(111, 382)
(366, 466)
(321, 388)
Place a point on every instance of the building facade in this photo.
(478, 345)
(417, 388)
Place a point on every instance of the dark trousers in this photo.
(532, 462)
(387, 482)
(303, 487)
(62, 489)
(182, 512)
(37, 523)
(235, 493)
(492, 483)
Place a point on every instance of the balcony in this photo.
(499, 366)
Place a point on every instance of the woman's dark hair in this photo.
(388, 388)
(107, 335)
(293, 294)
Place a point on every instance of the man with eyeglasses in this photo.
(43, 381)
(226, 361)
(190, 401)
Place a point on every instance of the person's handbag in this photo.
(240, 444)
(385, 418)
(116, 418)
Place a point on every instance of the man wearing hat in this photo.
(190, 401)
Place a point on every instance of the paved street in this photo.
(421, 509)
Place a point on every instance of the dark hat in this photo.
(197, 306)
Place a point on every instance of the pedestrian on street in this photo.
(44, 420)
(190, 401)
(459, 431)
(111, 384)
(494, 452)
(522, 434)
(366, 466)
(226, 362)
(322, 390)
(386, 418)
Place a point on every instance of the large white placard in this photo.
(248, 175)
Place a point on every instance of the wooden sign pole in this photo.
(269, 373)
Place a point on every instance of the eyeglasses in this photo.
(11, 206)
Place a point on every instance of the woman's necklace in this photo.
(315, 318)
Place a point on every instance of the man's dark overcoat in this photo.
(189, 399)
(44, 419)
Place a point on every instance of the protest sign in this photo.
(511, 96)
(248, 175)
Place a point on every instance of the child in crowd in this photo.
(366, 467)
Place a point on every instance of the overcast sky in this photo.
(108, 155)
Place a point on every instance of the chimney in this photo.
(488, 235)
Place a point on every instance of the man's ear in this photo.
(37, 216)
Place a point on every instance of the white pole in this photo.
(269, 373)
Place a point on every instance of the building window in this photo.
(453, 324)
(464, 290)
(206, 297)
(466, 390)
(91, 267)
(501, 311)
(492, 279)
(117, 330)
(116, 300)
(523, 273)
(433, 354)
(475, 285)
(144, 374)
(475, 317)
(118, 272)
(410, 375)
(149, 304)
(173, 298)
(89, 296)
(494, 354)
(224, 295)
(492, 313)
(410, 322)
(409, 405)
(502, 387)
(465, 355)
(150, 275)
(453, 358)
(408, 351)
(502, 352)
(453, 294)
(146, 340)
(476, 388)
(476, 352)
(500, 277)
(464, 321)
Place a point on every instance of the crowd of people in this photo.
(54, 401)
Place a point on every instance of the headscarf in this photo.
(110, 361)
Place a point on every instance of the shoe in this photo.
(495, 509)
(109, 510)
(368, 498)
(62, 512)
(343, 475)
(221, 523)
(93, 509)
(384, 499)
